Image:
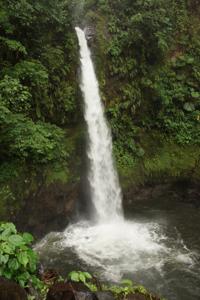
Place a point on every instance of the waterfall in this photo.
(111, 246)
(103, 179)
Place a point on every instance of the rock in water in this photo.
(69, 291)
(138, 296)
(85, 296)
(10, 290)
(60, 291)
(104, 296)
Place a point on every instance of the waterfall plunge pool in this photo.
(159, 249)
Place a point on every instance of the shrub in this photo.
(17, 260)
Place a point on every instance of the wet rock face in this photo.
(90, 34)
(11, 291)
(181, 190)
(48, 209)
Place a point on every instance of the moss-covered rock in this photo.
(163, 160)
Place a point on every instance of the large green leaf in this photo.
(28, 238)
(7, 248)
(4, 259)
(23, 258)
(82, 277)
(7, 229)
(74, 276)
(87, 275)
(16, 240)
(188, 106)
(13, 264)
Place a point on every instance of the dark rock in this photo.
(47, 210)
(79, 286)
(85, 296)
(60, 291)
(104, 296)
(178, 190)
(138, 296)
(89, 32)
(10, 290)
(69, 291)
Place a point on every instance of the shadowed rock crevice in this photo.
(49, 209)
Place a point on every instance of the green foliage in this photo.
(38, 95)
(31, 72)
(37, 86)
(79, 276)
(125, 288)
(84, 277)
(17, 260)
(120, 291)
(37, 142)
(14, 95)
(152, 72)
(12, 45)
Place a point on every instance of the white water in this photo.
(104, 184)
(112, 245)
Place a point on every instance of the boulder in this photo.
(70, 291)
(104, 296)
(138, 296)
(60, 291)
(10, 290)
(85, 296)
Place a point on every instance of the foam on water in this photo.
(116, 247)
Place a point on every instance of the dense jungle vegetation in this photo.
(150, 75)
(38, 89)
(147, 55)
(147, 58)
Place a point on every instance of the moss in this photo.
(5, 196)
(172, 161)
(19, 180)
(12, 186)
(57, 173)
(163, 160)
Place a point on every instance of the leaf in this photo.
(13, 264)
(16, 240)
(7, 248)
(7, 229)
(74, 276)
(7, 274)
(188, 106)
(195, 95)
(23, 258)
(82, 277)
(127, 282)
(4, 259)
(23, 278)
(28, 238)
(87, 275)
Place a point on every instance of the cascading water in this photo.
(113, 246)
(103, 179)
